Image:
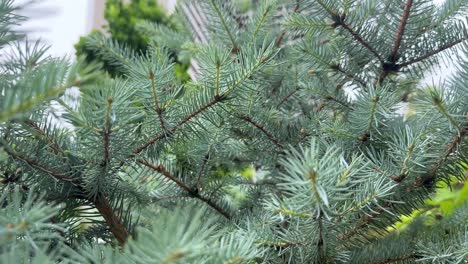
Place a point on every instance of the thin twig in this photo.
(391, 66)
(288, 96)
(320, 242)
(262, 129)
(452, 147)
(106, 133)
(193, 192)
(401, 29)
(432, 53)
(348, 74)
(235, 47)
(361, 40)
(37, 165)
(329, 97)
(280, 38)
(206, 158)
(52, 143)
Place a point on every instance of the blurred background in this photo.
(60, 23)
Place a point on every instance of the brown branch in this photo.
(395, 259)
(192, 192)
(262, 129)
(452, 147)
(363, 222)
(280, 38)
(101, 203)
(116, 227)
(161, 120)
(401, 29)
(155, 139)
(348, 74)
(391, 66)
(329, 97)
(107, 132)
(36, 165)
(432, 53)
(288, 96)
(359, 39)
(52, 143)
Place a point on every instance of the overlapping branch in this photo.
(262, 129)
(192, 192)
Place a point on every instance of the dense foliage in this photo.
(290, 147)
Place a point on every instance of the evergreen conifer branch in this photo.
(432, 53)
(191, 191)
(28, 103)
(287, 97)
(340, 69)
(451, 148)
(235, 47)
(57, 175)
(263, 130)
(340, 21)
(206, 159)
(56, 148)
(401, 30)
(106, 134)
(213, 102)
(258, 160)
(113, 221)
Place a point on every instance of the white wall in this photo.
(59, 23)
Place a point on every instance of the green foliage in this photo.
(122, 19)
(289, 147)
(122, 27)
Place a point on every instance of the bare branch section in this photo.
(391, 65)
(116, 227)
(192, 192)
(263, 130)
(401, 29)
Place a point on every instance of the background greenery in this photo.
(122, 18)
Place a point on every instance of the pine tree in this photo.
(288, 148)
